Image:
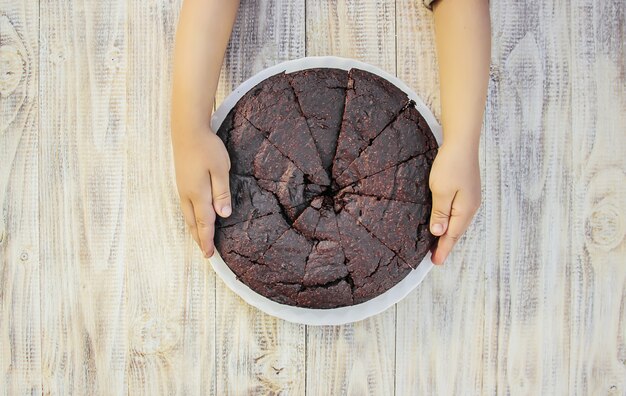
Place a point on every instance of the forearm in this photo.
(463, 40)
(203, 31)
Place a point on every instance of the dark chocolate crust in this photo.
(329, 178)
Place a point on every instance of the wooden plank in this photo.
(416, 53)
(170, 287)
(553, 284)
(265, 33)
(257, 353)
(356, 358)
(359, 30)
(82, 196)
(598, 167)
(352, 359)
(440, 324)
(20, 321)
(529, 188)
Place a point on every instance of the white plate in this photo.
(333, 316)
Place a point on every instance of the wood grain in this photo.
(352, 359)
(353, 29)
(258, 354)
(597, 362)
(357, 358)
(20, 276)
(529, 185)
(82, 195)
(265, 33)
(170, 298)
(102, 291)
(440, 324)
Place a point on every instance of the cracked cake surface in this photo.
(329, 182)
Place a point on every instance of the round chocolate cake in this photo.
(329, 177)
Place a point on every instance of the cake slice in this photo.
(249, 201)
(398, 142)
(272, 108)
(336, 294)
(293, 246)
(242, 141)
(306, 222)
(325, 264)
(321, 94)
(251, 238)
(279, 175)
(407, 181)
(371, 104)
(401, 226)
(270, 274)
(373, 267)
(294, 198)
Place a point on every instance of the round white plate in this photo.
(333, 316)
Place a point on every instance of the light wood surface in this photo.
(438, 350)
(20, 264)
(357, 358)
(170, 294)
(102, 290)
(83, 196)
(258, 354)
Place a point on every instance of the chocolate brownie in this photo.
(371, 104)
(329, 176)
(279, 175)
(404, 182)
(247, 140)
(271, 107)
(396, 224)
(400, 141)
(249, 201)
(321, 94)
(251, 238)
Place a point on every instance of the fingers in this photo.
(440, 214)
(461, 214)
(205, 223)
(190, 218)
(200, 207)
(221, 192)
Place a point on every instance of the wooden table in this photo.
(102, 291)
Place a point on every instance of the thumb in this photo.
(440, 214)
(221, 193)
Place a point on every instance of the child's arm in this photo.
(463, 42)
(200, 158)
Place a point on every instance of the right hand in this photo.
(455, 185)
(202, 165)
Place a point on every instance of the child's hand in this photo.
(455, 186)
(463, 39)
(202, 166)
(201, 160)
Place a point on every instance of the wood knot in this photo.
(605, 226)
(113, 58)
(274, 371)
(57, 56)
(153, 335)
(11, 69)
(14, 73)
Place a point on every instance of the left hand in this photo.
(202, 172)
(455, 185)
